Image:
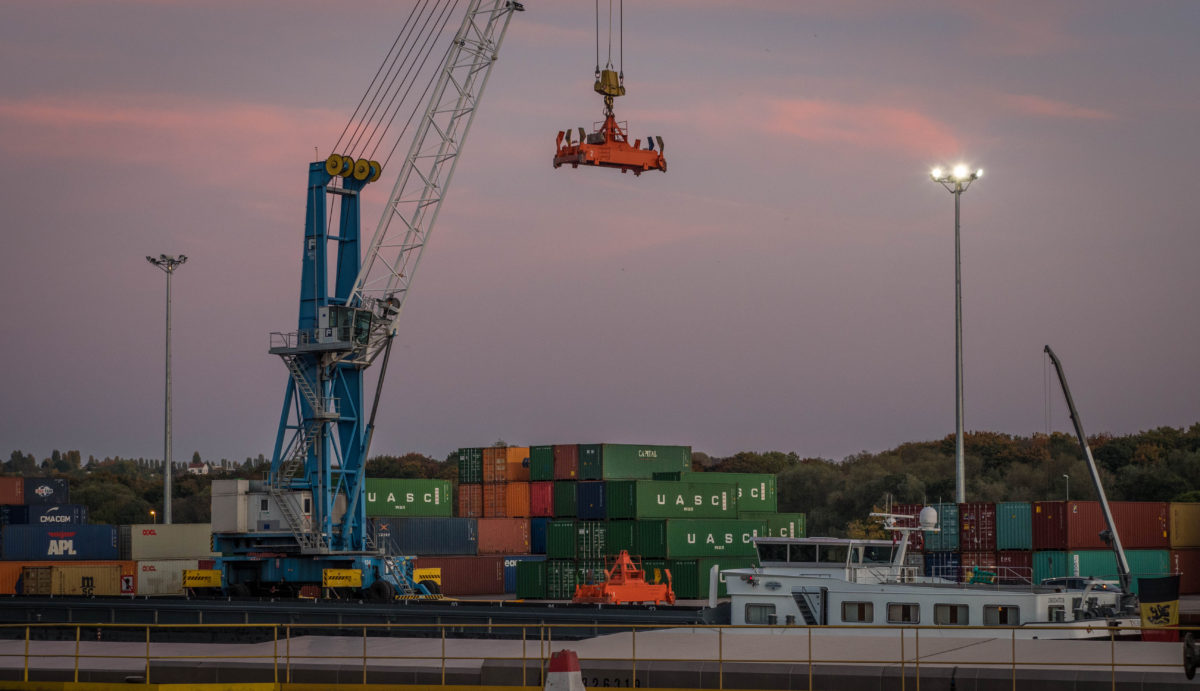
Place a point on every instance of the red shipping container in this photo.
(566, 461)
(1186, 562)
(467, 575)
(541, 498)
(1015, 567)
(984, 561)
(1142, 524)
(916, 540)
(12, 490)
(495, 503)
(470, 501)
(977, 527)
(516, 500)
(503, 536)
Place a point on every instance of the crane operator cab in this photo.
(337, 324)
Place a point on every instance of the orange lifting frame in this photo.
(611, 150)
(626, 584)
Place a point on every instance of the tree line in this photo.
(1162, 464)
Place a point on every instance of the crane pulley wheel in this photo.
(333, 164)
(376, 171)
(362, 169)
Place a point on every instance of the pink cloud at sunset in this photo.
(1029, 104)
(865, 127)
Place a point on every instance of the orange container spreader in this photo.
(626, 584)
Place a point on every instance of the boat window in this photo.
(833, 554)
(803, 553)
(1000, 615)
(876, 554)
(858, 612)
(903, 613)
(760, 614)
(950, 615)
(772, 552)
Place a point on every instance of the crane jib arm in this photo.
(391, 259)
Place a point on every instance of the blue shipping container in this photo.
(589, 499)
(946, 540)
(46, 490)
(59, 542)
(43, 514)
(510, 568)
(946, 565)
(425, 536)
(537, 535)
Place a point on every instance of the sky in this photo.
(787, 285)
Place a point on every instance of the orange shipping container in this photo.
(1185, 525)
(10, 573)
(470, 501)
(12, 490)
(503, 536)
(516, 500)
(506, 464)
(495, 503)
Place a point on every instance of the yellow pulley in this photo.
(333, 164)
(362, 169)
(376, 171)
(347, 167)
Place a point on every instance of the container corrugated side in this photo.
(1186, 562)
(69, 542)
(566, 461)
(79, 580)
(561, 578)
(47, 490)
(1185, 525)
(945, 565)
(631, 461)
(408, 497)
(157, 577)
(661, 499)
(683, 538)
(622, 535)
(10, 573)
(1142, 524)
(173, 541)
(537, 535)
(756, 492)
(590, 501)
(541, 499)
(511, 562)
(780, 524)
(1102, 564)
(977, 527)
(566, 500)
(503, 535)
(1015, 566)
(495, 464)
(916, 539)
(495, 500)
(531, 580)
(470, 466)
(517, 500)
(692, 578)
(470, 501)
(516, 461)
(946, 540)
(560, 539)
(1014, 525)
(541, 463)
(1048, 563)
(591, 539)
(12, 490)
(426, 536)
(481, 575)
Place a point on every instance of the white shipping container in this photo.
(163, 576)
(174, 541)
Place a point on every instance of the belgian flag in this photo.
(1159, 598)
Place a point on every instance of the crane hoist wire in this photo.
(620, 37)
(390, 91)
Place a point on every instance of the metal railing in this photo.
(42, 647)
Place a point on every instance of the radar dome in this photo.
(929, 518)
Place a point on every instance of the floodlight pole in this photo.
(168, 265)
(956, 182)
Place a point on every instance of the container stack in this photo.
(1023, 542)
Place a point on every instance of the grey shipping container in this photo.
(166, 541)
(426, 536)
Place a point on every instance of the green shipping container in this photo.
(655, 570)
(622, 535)
(1049, 564)
(1102, 564)
(756, 491)
(560, 579)
(591, 540)
(780, 524)
(470, 466)
(631, 461)
(541, 463)
(531, 580)
(660, 499)
(684, 538)
(560, 539)
(565, 501)
(408, 497)
(1014, 525)
(690, 578)
(590, 571)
